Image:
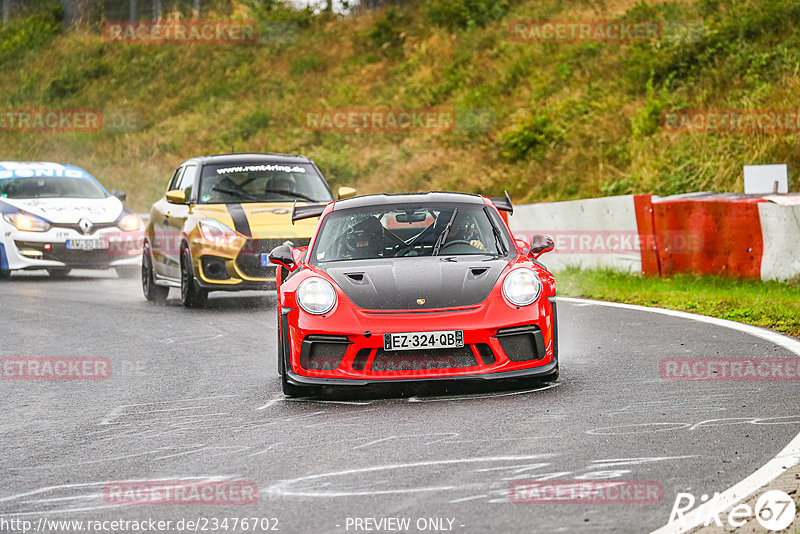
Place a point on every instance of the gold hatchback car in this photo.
(221, 216)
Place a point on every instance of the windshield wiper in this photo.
(443, 235)
(290, 193)
(234, 192)
(499, 240)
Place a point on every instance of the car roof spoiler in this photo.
(307, 211)
(503, 203)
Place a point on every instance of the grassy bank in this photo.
(546, 121)
(772, 305)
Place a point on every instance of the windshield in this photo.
(262, 182)
(399, 231)
(44, 187)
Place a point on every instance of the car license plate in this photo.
(86, 244)
(447, 339)
(265, 260)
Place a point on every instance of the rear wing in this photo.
(308, 211)
(503, 203)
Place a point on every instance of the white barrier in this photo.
(780, 229)
(589, 234)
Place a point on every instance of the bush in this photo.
(530, 138)
(731, 31)
(465, 14)
(388, 35)
(29, 33)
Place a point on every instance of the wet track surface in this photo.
(194, 395)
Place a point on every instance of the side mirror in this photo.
(122, 195)
(346, 192)
(176, 196)
(540, 245)
(282, 255)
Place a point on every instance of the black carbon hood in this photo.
(397, 284)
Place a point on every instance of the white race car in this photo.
(59, 217)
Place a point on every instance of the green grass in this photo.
(774, 305)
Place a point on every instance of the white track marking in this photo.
(465, 499)
(283, 488)
(274, 400)
(86, 485)
(786, 459)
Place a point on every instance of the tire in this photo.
(58, 273)
(192, 295)
(152, 292)
(280, 341)
(128, 271)
(290, 390)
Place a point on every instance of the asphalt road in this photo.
(194, 395)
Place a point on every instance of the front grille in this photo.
(360, 361)
(73, 258)
(323, 352)
(77, 227)
(249, 258)
(486, 353)
(408, 360)
(521, 343)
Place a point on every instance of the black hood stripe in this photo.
(240, 223)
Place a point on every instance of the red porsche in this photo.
(413, 287)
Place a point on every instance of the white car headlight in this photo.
(213, 230)
(27, 222)
(316, 296)
(522, 287)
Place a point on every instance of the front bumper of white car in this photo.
(61, 247)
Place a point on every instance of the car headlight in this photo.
(522, 287)
(316, 295)
(213, 230)
(130, 223)
(27, 222)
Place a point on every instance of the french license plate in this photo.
(86, 244)
(446, 339)
(265, 260)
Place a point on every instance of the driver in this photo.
(365, 239)
(282, 182)
(464, 232)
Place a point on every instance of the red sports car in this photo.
(413, 287)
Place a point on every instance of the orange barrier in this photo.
(709, 234)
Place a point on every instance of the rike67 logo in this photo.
(774, 510)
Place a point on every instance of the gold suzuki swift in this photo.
(221, 216)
